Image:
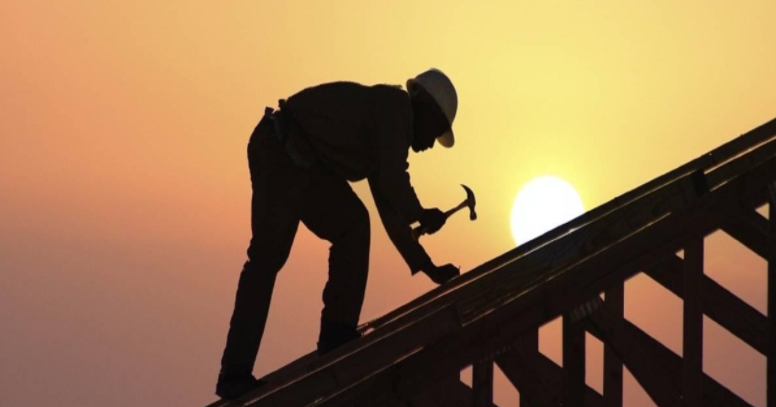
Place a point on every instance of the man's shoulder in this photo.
(353, 89)
(331, 90)
(379, 102)
(390, 98)
(395, 92)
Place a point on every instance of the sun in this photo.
(543, 204)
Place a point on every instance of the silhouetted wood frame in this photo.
(482, 314)
(482, 383)
(613, 391)
(770, 349)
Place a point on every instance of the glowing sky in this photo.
(124, 189)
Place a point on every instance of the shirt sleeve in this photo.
(390, 125)
(398, 230)
(391, 128)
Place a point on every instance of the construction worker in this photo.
(301, 158)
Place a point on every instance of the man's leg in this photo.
(274, 223)
(334, 212)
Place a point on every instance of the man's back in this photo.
(341, 119)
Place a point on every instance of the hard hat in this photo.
(441, 89)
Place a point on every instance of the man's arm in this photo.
(398, 229)
(391, 128)
(396, 201)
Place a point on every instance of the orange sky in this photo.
(124, 187)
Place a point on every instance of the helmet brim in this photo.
(447, 139)
(410, 84)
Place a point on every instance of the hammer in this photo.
(468, 202)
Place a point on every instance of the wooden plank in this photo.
(552, 373)
(614, 304)
(771, 348)
(450, 392)
(573, 363)
(464, 395)
(542, 376)
(482, 383)
(361, 364)
(532, 386)
(751, 229)
(693, 323)
(645, 370)
(740, 163)
(719, 304)
(714, 394)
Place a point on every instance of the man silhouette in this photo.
(301, 158)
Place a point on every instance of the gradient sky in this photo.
(124, 188)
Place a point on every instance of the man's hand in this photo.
(432, 220)
(441, 275)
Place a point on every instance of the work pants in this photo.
(283, 195)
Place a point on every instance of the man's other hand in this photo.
(432, 220)
(441, 274)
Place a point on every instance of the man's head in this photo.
(434, 104)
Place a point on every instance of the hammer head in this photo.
(470, 202)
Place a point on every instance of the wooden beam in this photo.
(614, 304)
(719, 304)
(646, 370)
(732, 166)
(693, 323)
(528, 381)
(482, 383)
(714, 394)
(751, 229)
(573, 363)
(450, 392)
(771, 349)
(543, 376)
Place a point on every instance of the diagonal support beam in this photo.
(540, 378)
(532, 385)
(628, 337)
(648, 371)
(751, 229)
(719, 304)
(448, 393)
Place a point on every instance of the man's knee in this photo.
(359, 224)
(264, 263)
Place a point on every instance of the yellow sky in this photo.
(124, 185)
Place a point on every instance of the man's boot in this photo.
(232, 385)
(335, 334)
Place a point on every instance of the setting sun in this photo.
(543, 204)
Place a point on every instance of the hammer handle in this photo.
(456, 209)
(420, 230)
